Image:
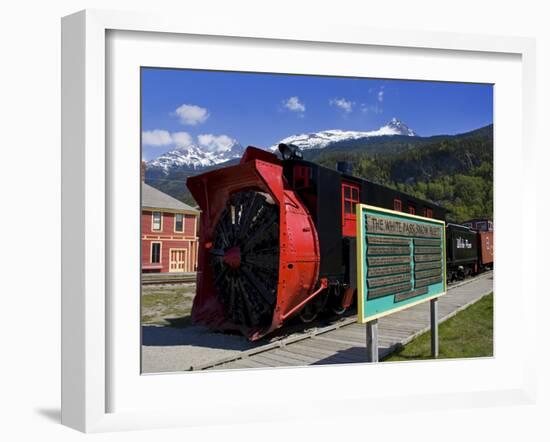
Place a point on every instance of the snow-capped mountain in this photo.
(397, 127)
(194, 157)
(320, 140)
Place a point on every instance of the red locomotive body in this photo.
(259, 247)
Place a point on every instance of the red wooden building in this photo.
(168, 233)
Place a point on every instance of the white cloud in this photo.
(182, 139)
(192, 115)
(371, 108)
(156, 138)
(342, 103)
(161, 137)
(381, 95)
(216, 143)
(207, 142)
(294, 104)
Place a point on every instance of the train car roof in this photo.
(461, 227)
(359, 179)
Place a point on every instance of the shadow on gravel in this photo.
(193, 335)
(182, 332)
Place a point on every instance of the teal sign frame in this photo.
(401, 261)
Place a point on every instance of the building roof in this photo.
(155, 199)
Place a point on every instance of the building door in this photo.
(177, 260)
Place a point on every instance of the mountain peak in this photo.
(194, 157)
(320, 140)
(398, 128)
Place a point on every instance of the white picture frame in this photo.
(88, 319)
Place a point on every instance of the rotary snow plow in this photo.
(259, 257)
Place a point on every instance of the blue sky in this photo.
(207, 108)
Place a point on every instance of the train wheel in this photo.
(312, 309)
(338, 310)
(336, 300)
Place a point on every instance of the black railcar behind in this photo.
(462, 252)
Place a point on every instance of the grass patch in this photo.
(168, 305)
(468, 334)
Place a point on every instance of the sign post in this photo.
(434, 327)
(401, 263)
(372, 341)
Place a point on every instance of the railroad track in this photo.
(167, 278)
(344, 341)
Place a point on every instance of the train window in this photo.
(302, 174)
(481, 225)
(397, 205)
(412, 209)
(350, 199)
(428, 213)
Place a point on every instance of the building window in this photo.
(428, 213)
(157, 221)
(178, 222)
(397, 205)
(412, 209)
(155, 253)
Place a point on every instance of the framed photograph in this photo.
(216, 184)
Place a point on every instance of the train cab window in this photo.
(350, 199)
(302, 175)
(428, 213)
(397, 205)
(481, 225)
(412, 209)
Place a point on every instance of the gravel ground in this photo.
(169, 349)
(169, 341)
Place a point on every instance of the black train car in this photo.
(331, 196)
(462, 252)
